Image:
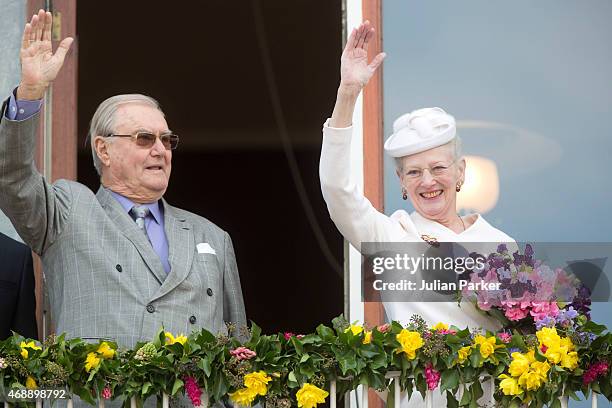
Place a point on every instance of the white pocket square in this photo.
(205, 248)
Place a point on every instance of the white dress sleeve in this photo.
(355, 217)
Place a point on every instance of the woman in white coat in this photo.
(430, 170)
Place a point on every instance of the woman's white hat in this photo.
(420, 130)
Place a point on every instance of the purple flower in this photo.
(513, 350)
(547, 321)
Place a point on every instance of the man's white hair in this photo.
(103, 120)
(455, 144)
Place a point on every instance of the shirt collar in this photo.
(127, 205)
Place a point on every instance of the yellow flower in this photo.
(170, 339)
(309, 396)
(92, 361)
(31, 383)
(243, 397)
(355, 329)
(105, 350)
(548, 336)
(440, 326)
(567, 342)
(367, 338)
(540, 367)
(29, 345)
(257, 382)
(520, 363)
(509, 385)
(569, 360)
(554, 354)
(531, 380)
(530, 356)
(487, 345)
(410, 341)
(464, 353)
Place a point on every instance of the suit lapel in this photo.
(130, 230)
(181, 247)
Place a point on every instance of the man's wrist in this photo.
(30, 92)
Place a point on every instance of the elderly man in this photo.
(120, 263)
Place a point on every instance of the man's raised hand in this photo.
(355, 72)
(39, 65)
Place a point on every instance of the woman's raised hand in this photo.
(355, 72)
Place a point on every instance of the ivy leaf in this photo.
(451, 401)
(178, 383)
(449, 380)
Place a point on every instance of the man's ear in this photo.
(101, 147)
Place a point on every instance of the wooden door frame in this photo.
(56, 154)
(373, 182)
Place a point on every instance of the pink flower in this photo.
(595, 370)
(288, 335)
(447, 331)
(383, 328)
(505, 337)
(242, 353)
(516, 313)
(432, 376)
(193, 391)
(300, 336)
(540, 310)
(107, 393)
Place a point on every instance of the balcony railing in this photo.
(363, 394)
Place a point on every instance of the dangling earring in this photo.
(404, 195)
(458, 186)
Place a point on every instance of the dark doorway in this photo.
(202, 62)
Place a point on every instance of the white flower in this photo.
(3, 364)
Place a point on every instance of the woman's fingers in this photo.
(377, 61)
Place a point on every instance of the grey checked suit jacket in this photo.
(103, 277)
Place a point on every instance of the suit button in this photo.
(192, 319)
(209, 291)
(119, 268)
(150, 308)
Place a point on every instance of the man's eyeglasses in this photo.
(435, 171)
(147, 140)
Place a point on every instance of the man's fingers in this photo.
(34, 24)
(41, 24)
(47, 27)
(62, 50)
(25, 39)
(377, 61)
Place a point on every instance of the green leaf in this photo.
(465, 398)
(449, 380)
(204, 365)
(451, 401)
(304, 358)
(178, 383)
(145, 387)
(556, 403)
(476, 391)
(325, 333)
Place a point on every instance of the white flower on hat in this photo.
(420, 130)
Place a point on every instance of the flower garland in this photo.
(285, 370)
